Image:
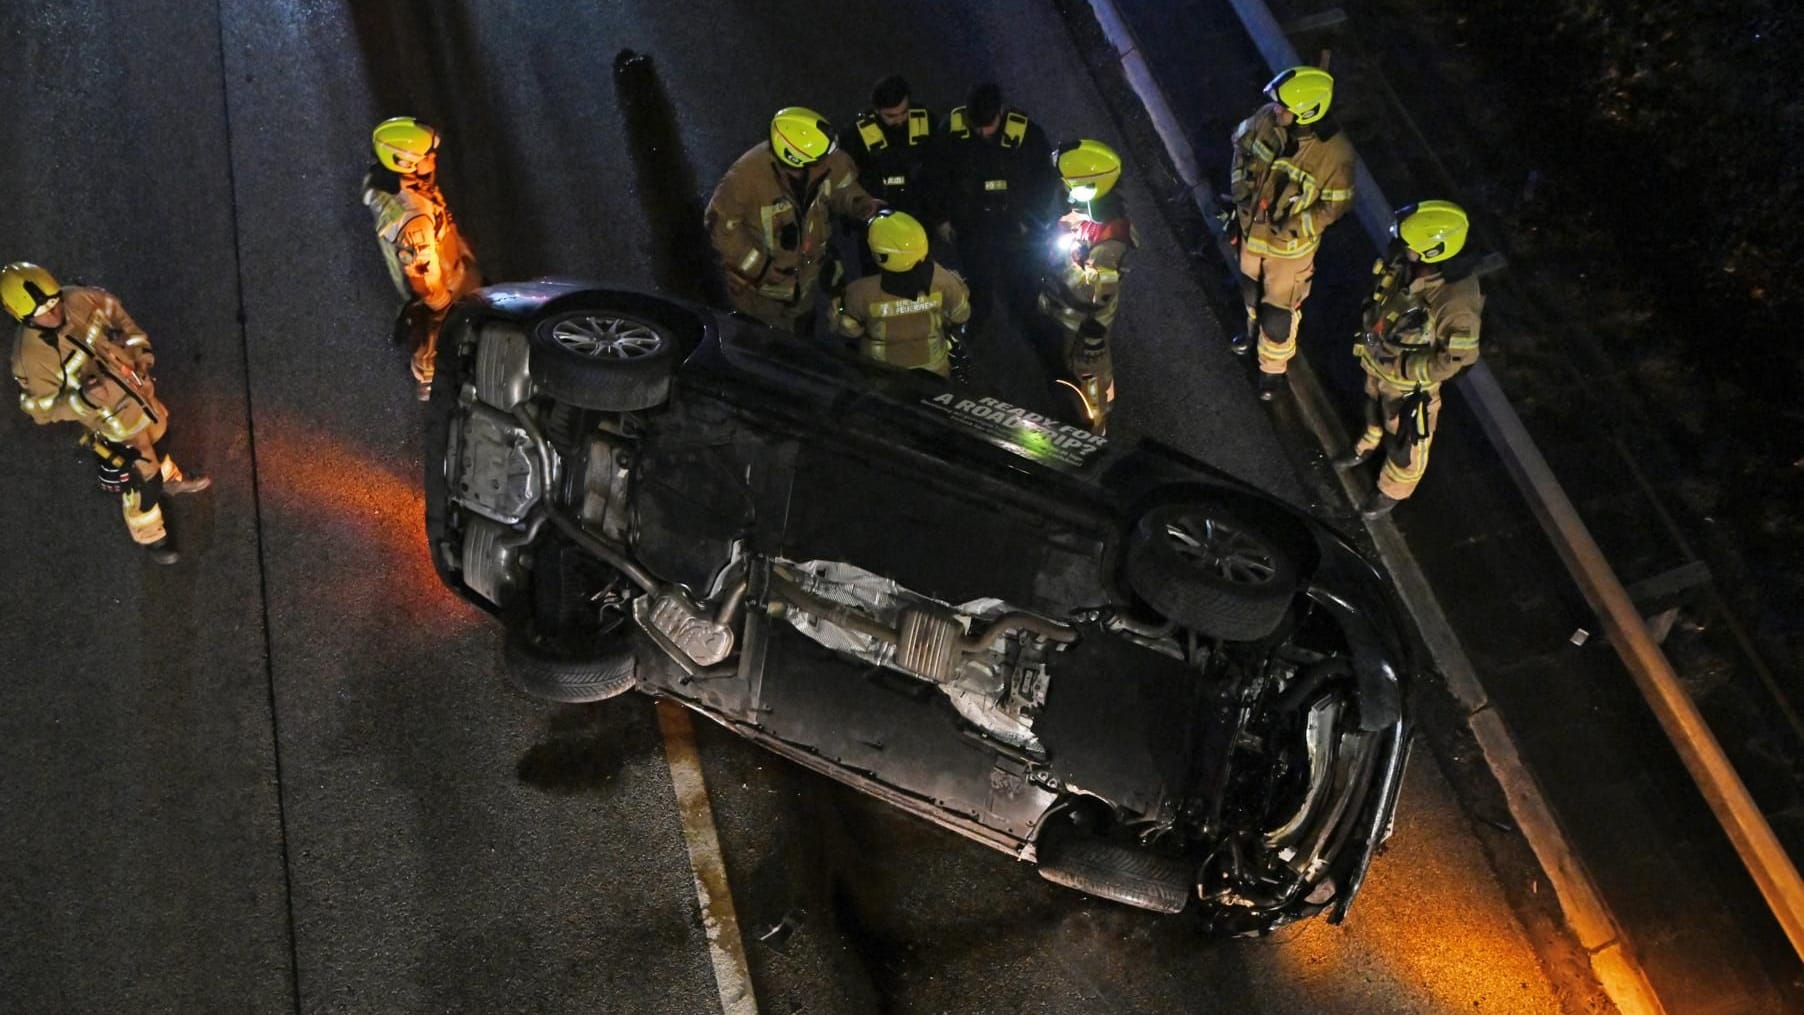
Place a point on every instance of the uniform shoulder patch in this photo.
(1014, 129)
(920, 124)
(871, 132)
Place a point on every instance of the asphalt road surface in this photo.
(284, 775)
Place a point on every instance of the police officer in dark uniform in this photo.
(1001, 196)
(893, 143)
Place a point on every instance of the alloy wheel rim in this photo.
(1224, 550)
(602, 336)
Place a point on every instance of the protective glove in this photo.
(958, 354)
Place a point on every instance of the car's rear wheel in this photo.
(1120, 873)
(601, 357)
(1209, 570)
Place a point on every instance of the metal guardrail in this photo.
(1772, 869)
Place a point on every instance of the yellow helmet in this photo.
(897, 240)
(1305, 91)
(401, 142)
(1435, 230)
(25, 288)
(800, 136)
(1089, 168)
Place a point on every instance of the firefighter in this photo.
(427, 257)
(1419, 328)
(770, 219)
(908, 314)
(79, 357)
(1292, 178)
(1000, 196)
(1080, 292)
(893, 142)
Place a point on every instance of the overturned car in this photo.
(1160, 685)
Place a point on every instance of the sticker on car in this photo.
(1026, 433)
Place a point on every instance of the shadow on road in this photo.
(583, 750)
(682, 261)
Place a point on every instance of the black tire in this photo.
(541, 674)
(603, 357)
(1203, 567)
(1122, 874)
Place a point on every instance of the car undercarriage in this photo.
(1094, 660)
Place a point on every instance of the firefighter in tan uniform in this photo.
(427, 257)
(1081, 291)
(79, 357)
(1292, 178)
(1420, 328)
(770, 218)
(906, 314)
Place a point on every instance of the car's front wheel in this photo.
(1211, 571)
(1110, 870)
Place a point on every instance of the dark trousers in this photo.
(998, 265)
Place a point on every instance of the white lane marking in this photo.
(726, 948)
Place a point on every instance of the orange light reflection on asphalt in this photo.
(364, 512)
(1430, 919)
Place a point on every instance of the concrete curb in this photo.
(1596, 930)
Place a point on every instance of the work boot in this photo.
(1352, 459)
(187, 484)
(162, 551)
(1271, 384)
(1379, 506)
(423, 391)
(1241, 344)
